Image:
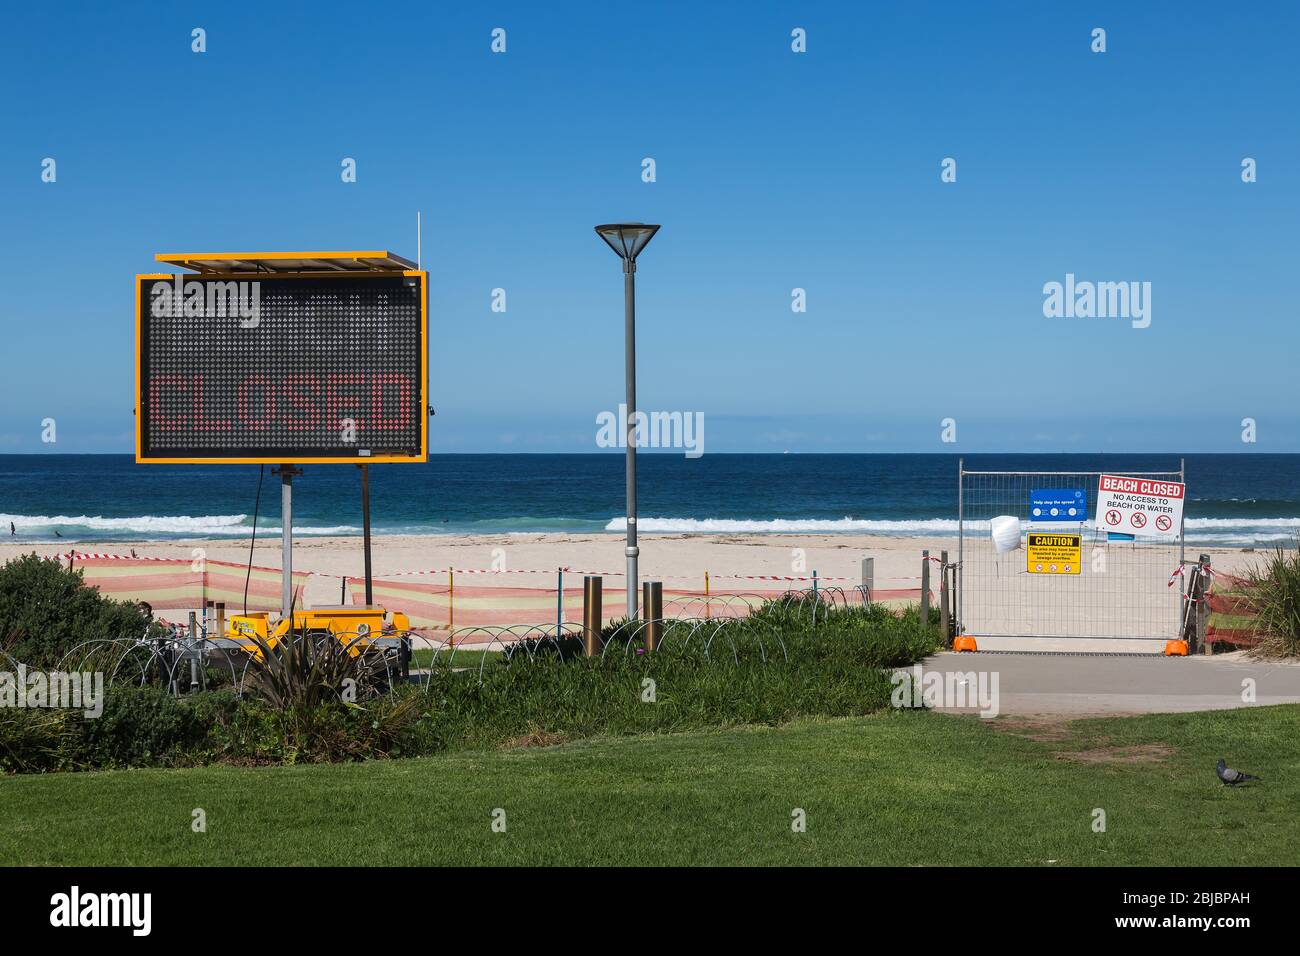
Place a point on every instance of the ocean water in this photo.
(1243, 499)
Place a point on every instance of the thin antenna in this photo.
(418, 248)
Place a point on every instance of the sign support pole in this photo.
(286, 540)
(365, 530)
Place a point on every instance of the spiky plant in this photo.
(1275, 598)
(304, 669)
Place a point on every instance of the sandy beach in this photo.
(680, 560)
(735, 562)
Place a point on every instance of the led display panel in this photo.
(281, 369)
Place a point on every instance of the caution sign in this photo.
(1150, 508)
(1053, 553)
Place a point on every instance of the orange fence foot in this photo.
(964, 642)
(1175, 648)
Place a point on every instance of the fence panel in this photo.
(183, 583)
(1122, 590)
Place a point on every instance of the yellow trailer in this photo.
(356, 627)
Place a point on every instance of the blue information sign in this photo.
(1057, 504)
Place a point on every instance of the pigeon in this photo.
(1231, 777)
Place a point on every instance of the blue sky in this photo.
(775, 170)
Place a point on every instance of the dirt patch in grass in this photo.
(1059, 729)
(1045, 728)
(1136, 753)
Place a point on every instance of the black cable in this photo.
(257, 502)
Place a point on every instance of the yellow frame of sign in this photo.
(288, 265)
(1047, 553)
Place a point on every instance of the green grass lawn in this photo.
(462, 657)
(898, 788)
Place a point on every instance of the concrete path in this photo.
(1121, 684)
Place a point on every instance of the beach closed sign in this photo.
(281, 368)
(1053, 553)
(1145, 507)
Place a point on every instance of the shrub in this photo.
(774, 666)
(46, 610)
(254, 732)
(142, 726)
(1275, 597)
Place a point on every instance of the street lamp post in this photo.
(627, 239)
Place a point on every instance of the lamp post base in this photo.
(632, 581)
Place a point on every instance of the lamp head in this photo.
(627, 239)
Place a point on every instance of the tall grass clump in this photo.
(1275, 597)
(785, 661)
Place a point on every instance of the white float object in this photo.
(1006, 533)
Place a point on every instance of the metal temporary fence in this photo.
(1125, 590)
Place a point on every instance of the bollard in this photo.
(925, 586)
(1202, 609)
(652, 605)
(944, 597)
(869, 575)
(592, 619)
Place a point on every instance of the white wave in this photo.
(1242, 523)
(1242, 540)
(775, 525)
(327, 530)
(1242, 530)
(1222, 529)
(144, 525)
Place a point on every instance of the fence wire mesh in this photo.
(1121, 590)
